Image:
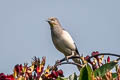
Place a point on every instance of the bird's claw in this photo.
(67, 58)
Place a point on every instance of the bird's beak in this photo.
(48, 21)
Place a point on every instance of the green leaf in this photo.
(86, 73)
(103, 69)
(72, 77)
(61, 78)
(114, 75)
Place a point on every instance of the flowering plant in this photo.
(94, 67)
(34, 72)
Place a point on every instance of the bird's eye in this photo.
(52, 20)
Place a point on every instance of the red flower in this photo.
(6, 77)
(60, 73)
(2, 76)
(39, 70)
(54, 74)
(87, 58)
(108, 59)
(17, 68)
(21, 67)
(95, 53)
(10, 77)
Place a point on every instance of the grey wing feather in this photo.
(77, 50)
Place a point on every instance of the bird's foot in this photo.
(67, 58)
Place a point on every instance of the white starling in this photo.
(62, 40)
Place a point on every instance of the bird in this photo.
(62, 40)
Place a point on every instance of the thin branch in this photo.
(72, 57)
(61, 62)
(69, 63)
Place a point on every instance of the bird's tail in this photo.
(77, 61)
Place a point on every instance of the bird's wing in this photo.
(77, 52)
(68, 41)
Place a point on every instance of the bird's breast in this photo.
(63, 44)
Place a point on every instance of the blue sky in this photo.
(93, 24)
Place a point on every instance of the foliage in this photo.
(34, 72)
(94, 67)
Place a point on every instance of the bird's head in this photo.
(53, 22)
